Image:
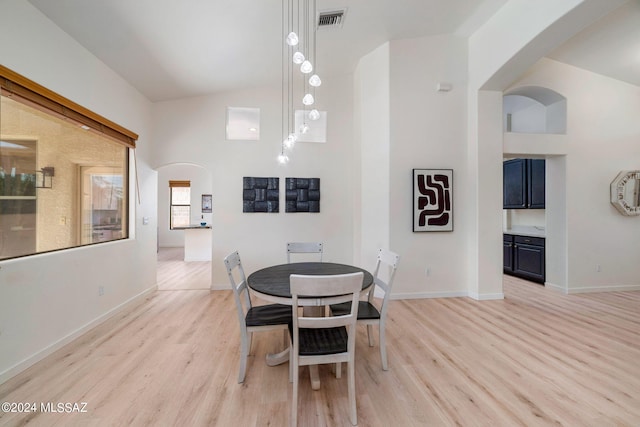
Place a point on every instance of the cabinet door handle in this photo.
(527, 240)
(515, 246)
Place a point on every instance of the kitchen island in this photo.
(197, 242)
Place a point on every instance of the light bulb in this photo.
(314, 114)
(298, 58)
(283, 159)
(304, 128)
(306, 67)
(308, 99)
(290, 141)
(292, 39)
(315, 80)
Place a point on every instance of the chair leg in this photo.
(294, 397)
(353, 412)
(370, 335)
(383, 348)
(245, 342)
(290, 361)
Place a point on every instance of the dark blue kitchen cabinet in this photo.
(523, 184)
(535, 183)
(514, 184)
(507, 253)
(524, 257)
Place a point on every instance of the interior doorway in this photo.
(173, 272)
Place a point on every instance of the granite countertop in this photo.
(526, 230)
(192, 226)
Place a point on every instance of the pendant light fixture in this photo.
(299, 48)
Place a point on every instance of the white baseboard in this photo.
(486, 297)
(555, 287)
(35, 358)
(420, 295)
(219, 287)
(620, 288)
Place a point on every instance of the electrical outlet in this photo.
(598, 269)
(427, 272)
(100, 290)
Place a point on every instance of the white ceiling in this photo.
(171, 49)
(610, 47)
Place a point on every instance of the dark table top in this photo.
(274, 281)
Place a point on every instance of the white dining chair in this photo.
(368, 313)
(252, 318)
(304, 248)
(319, 340)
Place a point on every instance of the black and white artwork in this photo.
(260, 194)
(432, 200)
(302, 194)
(207, 203)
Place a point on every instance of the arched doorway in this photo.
(174, 273)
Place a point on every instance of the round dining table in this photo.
(272, 284)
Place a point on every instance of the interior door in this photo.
(101, 208)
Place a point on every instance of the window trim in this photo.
(24, 91)
(177, 184)
(20, 88)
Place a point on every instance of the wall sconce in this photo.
(44, 177)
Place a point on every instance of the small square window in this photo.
(243, 123)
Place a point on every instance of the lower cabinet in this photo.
(524, 257)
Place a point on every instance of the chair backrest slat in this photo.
(238, 282)
(304, 248)
(389, 261)
(323, 286)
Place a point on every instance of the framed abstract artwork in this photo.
(432, 200)
(207, 206)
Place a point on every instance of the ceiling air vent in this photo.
(331, 18)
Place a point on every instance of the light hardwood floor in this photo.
(536, 358)
(174, 273)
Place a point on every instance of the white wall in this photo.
(46, 300)
(192, 131)
(527, 114)
(601, 140)
(428, 131)
(373, 106)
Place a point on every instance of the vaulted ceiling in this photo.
(171, 49)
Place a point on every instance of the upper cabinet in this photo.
(514, 188)
(523, 184)
(535, 183)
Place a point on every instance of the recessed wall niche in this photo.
(534, 109)
(243, 124)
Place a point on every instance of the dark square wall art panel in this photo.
(260, 194)
(302, 194)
